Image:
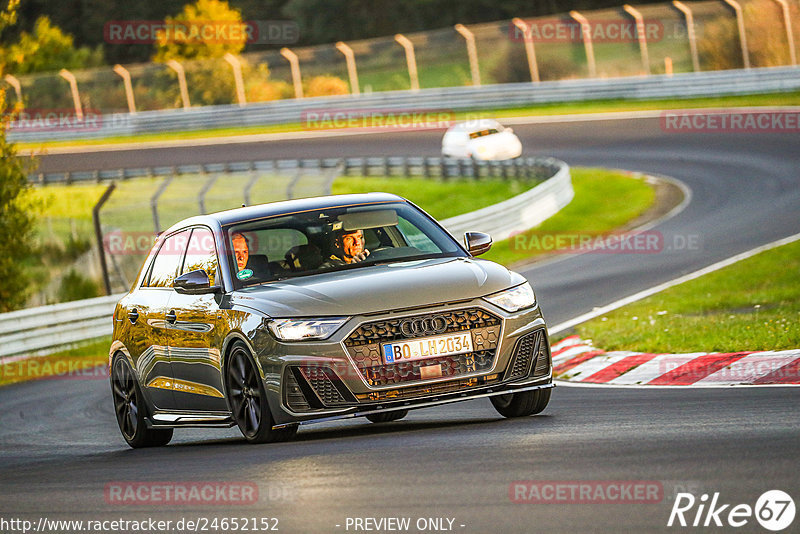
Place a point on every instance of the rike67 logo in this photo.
(774, 510)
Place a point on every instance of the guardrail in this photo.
(408, 166)
(695, 84)
(40, 330)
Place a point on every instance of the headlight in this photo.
(302, 329)
(514, 299)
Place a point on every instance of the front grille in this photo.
(364, 346)
(428, 389)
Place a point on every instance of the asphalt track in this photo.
(59, 445)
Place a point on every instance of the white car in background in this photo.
(483, 139)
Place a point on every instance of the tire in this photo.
(129, 408)
(248, 399)
(521, 404)
(386, 417)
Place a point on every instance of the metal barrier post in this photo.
(294, 63)
(530, 51)
(689, 32)
(178, 68)
(14, 82)
(98, 233)
(201, 197)
(154, 201)
(472, 52)
(236, 65)
(742, 33)
(411, 60)
(586, 31)
(123, 73)
(352, 73)
(641, 34)
(73, 87)
(787, 22)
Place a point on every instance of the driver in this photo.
(348, 248)
(241, 249)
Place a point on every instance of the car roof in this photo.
(285, 207)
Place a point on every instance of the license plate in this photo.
(427, 347)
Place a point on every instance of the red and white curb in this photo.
(575, 361)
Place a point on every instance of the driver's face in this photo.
(240, 250)
(353, 243)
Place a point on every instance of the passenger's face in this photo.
(240, 250)
(353, 243)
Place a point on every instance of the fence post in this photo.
(787, 22)
(14, 82)
(178, 68)
(236, 65)
(742, 33)
(352, 73)
(154, 201)
(294, 63)
(411, 59)
(123, 73)
(586, 31)
(73, 87)
(201, 197)
(530, 51)
(689, 32)
(98, 233)
(641, 34)
(472, 52)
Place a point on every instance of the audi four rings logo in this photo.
(424, 327)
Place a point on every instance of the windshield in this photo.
(484, 133)
(332, 239)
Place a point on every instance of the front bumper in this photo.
(346, 376)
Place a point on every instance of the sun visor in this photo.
(363, 220)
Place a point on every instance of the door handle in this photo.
(171, 317)
(133, 315)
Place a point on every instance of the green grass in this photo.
(440, 199)
(597, 106)
(752, 305)
(70, 364)
(604, 200)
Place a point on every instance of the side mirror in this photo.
(477, 243)
(194, 283)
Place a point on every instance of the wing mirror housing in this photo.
(194, 283)
(477, 242)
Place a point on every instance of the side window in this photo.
(201, 254)
(415, 237)
(168, 261)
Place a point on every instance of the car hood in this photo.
(379, 288)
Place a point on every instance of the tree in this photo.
(194, 43)
(47, 48)
(16, 217)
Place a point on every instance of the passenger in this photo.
(348, 248)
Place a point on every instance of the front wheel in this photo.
(130, 409)
(521, 404)
(248, 399)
